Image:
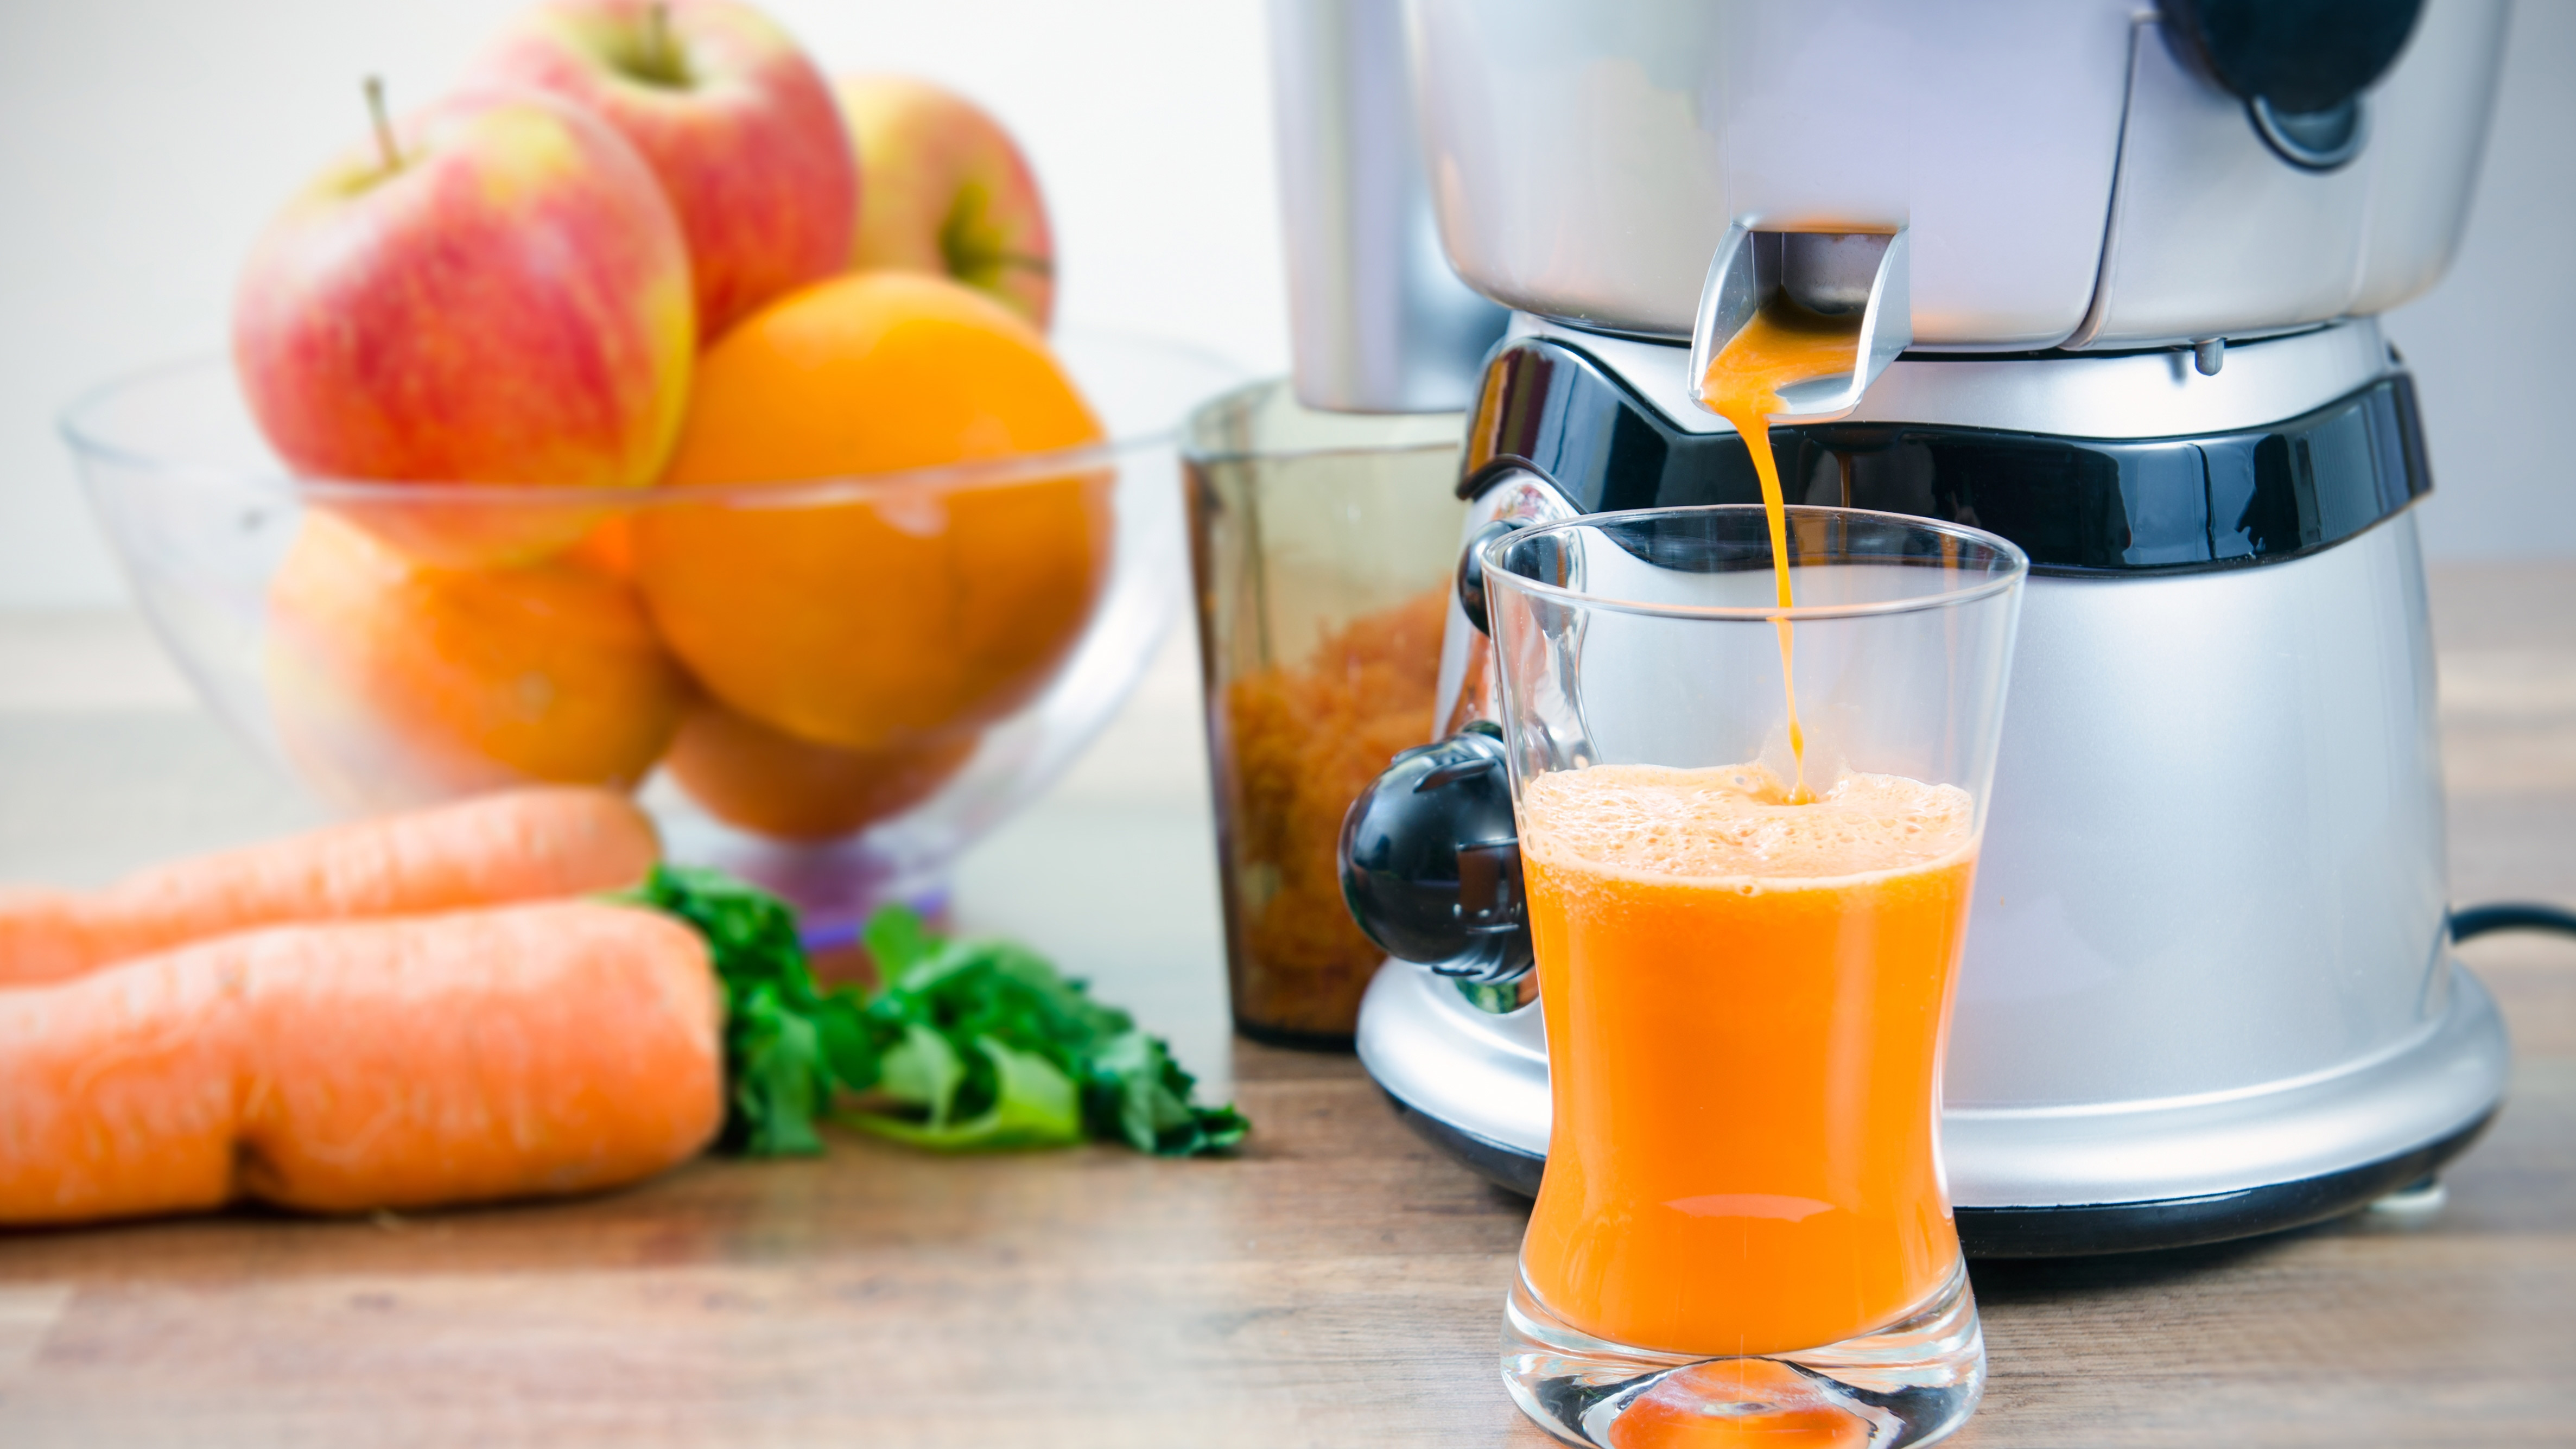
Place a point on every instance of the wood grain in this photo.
(1340, 1284)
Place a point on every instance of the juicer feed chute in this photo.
(1382, 325)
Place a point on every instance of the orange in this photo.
(608, 548)
(916, 612)
(394, 682)
(749, 775)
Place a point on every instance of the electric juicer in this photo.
(2118, 267)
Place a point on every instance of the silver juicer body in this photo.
(2208, 987)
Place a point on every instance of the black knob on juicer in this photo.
(2300, 65)
(1471, 569)
(1431, 860)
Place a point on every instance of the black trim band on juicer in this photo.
(2077, 506)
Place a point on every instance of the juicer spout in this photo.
(1834, 273)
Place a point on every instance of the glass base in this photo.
(1911, 1382)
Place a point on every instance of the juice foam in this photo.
(1737, 825)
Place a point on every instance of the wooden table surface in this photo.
(1338, 1284)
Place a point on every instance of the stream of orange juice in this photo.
(1746, 1000)
(1783, 344)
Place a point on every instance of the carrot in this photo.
(522, 845)
(528, 1050)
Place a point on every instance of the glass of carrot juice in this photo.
(1748, 804)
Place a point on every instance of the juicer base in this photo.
(2086, 1229)
(2079, 1230)
(1474, 1084)
(1510, 1168)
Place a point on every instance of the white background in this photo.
(143, 142)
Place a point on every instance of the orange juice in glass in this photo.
(1743, 1233)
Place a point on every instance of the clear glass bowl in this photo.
(202, 514)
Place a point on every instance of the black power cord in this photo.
(2510, 916)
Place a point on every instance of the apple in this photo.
(948, 192)
(494, 292)
(735, 121)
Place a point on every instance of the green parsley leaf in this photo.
(966, 1046)
(1136, 1092)
(923, 1071)
(790, 1046)
(1034, 1105)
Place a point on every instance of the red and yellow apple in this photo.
(732, 117)
(948, 192)
(494, 292)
